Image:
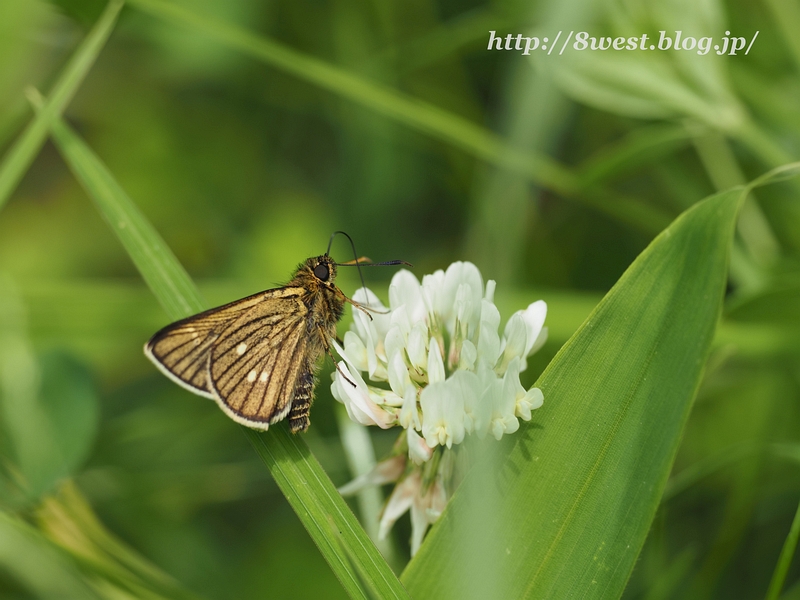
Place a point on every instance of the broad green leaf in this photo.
(49, 408)
(309, 490)
(69, 401)
(21, 155)
(565, 511)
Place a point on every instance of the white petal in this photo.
(405, 290)
(457, 274)
(488, 338)
(417, 346)
(398, 374)
(532, 400)
(381, 320)
(387, 399)
(469, 356)
(515, 341)
(476, 414)
(409, 415)
(524, 402)
(384, 472)
(400, 501)
(490, 398)
(360, 406)
(503, 406)
(418, 450)
(490, 287)
(394, 343)
(540, 341)
(432, 290)
(367, 297)
(534, 317)
(419, 525)
(463, 303)
(425, 510)
(443, 412)
(354, 351)
(435, 363)
(399, 319)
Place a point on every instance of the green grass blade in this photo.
(155, 261)
(289, 460)
(785, 559)
(641, 147)
(67, 519)
(565, 511)
(20, 156)
(307, 487)
(360, 456)
(415, 113)
(37, 564)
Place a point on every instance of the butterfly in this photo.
(257, 357)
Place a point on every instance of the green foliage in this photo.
(246, 132)
(618, 395)
(297, 472)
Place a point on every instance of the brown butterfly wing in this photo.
(181, 350)
(255, 362)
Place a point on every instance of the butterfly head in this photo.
(322, 268)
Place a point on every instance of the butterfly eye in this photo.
(321, 272)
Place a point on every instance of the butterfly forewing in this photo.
(255, 362)
(181, 350)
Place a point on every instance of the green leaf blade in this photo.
(332, 518)
(570, 505)
(26, 147)
(352, 556)
(415, 113)
(155, 261)
(37, 564)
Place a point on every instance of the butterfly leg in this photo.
(333, 358)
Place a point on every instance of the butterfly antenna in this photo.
(357, 262)
(355, 254)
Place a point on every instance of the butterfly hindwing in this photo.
(254, 363)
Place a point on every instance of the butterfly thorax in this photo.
(325, 304)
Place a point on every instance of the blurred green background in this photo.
(550, 174)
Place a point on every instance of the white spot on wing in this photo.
(251, 376)
(241, 348)
(264, 375)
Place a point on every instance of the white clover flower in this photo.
(444, 372)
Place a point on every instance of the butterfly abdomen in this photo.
(301, 404)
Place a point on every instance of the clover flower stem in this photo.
(360, 456)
